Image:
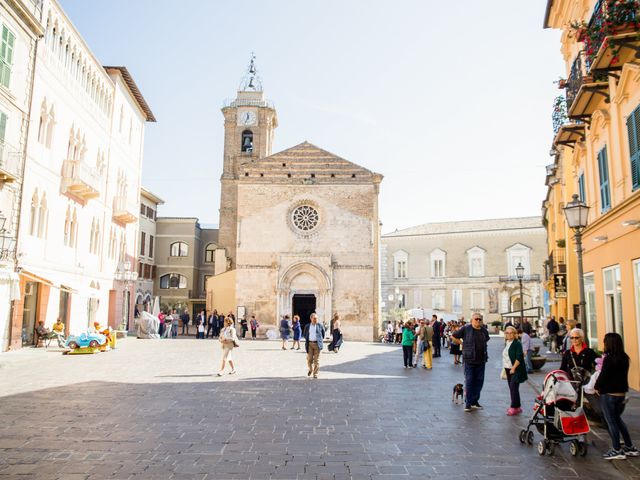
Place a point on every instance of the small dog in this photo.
(458, 393)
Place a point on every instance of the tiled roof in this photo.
(495, 224)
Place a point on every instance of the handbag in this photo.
(235, 343)
(503, 374)
(579, 374)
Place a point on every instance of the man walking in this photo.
(185, 318)
(313, 335)
(474, 340)
(211, 322)
(436, 335)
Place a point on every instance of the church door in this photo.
(303, 306)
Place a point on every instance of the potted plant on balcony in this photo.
(561, 243)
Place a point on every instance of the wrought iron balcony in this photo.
(584, 91)
(514, 278)
(10, 163)
(123, 210)
(566, 131)
(611, 33)
(80, 180)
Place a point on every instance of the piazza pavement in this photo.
(154, 409)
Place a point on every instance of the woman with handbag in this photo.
(579, 361)
(612, 386)
(228, 341)
(514, 368)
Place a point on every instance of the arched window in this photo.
(33, 223)
(247, 141)
(43, 217)
(73, 232)
(209, 253)
(51, 123)
(173, 280)
(67, 227)
(179, 249)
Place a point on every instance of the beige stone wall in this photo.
(341, 251)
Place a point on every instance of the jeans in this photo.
(527, 361)
(253, 333)
(407, 353)
(473, 381)
(174, 331)
(612, 408)
(514, 389)
(185, 326)
(419, 360)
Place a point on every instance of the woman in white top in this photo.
(228, 339)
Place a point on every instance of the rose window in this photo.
(305, 218)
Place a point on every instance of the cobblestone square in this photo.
(155, 409)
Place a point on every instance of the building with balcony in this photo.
(20, 29)
(184, 260)
(81, 186)
(596, 155)
(146, 266)
(454, 269)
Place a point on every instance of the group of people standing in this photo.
(288, 327)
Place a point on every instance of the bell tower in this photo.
(249, 122)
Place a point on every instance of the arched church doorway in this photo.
(303, 305)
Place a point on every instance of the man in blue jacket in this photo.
(313, 336)
(474, 340)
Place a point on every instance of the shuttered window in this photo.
(3, 131)
(6, 55)
(581, 189)
(633, 130)
(605, 190)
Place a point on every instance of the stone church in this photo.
(299, 229)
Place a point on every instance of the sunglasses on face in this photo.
(575, 338)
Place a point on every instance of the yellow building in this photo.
(597, 155)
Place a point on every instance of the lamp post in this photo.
(124, 274)
(576, 213)
(520, 275)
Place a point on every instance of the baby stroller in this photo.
(558, 416)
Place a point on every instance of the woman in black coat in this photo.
(336, 333)
(579, 355)
(612, 386)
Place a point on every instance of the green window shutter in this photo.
(603, 170)
(3, 131)
(6, 55)
(633, 130)
(581, 190)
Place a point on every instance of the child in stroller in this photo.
(558, 416)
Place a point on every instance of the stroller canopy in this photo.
(557, 386)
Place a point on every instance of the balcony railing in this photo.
(609, 17)
(80, 180)
(514, 278)
(10, 163)
(574, 82)
(123, 210)
(559, 115)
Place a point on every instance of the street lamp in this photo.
(124, 274)
(520, 275)
(576, 213)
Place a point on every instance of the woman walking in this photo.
(407, 344)
(336, 333)
(297, 332)
(455, 348)
(612, 386)
(284, 331)
(228, 340)
(514, 367)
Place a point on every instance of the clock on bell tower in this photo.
(249, 123)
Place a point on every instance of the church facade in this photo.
(299, 228)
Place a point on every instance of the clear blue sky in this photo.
(450, 101)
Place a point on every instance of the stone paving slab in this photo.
(155, 409)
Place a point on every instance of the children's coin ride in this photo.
(102, 340)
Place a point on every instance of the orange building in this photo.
(596, 151)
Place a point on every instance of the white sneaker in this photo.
(232, 372)
(219, 374)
